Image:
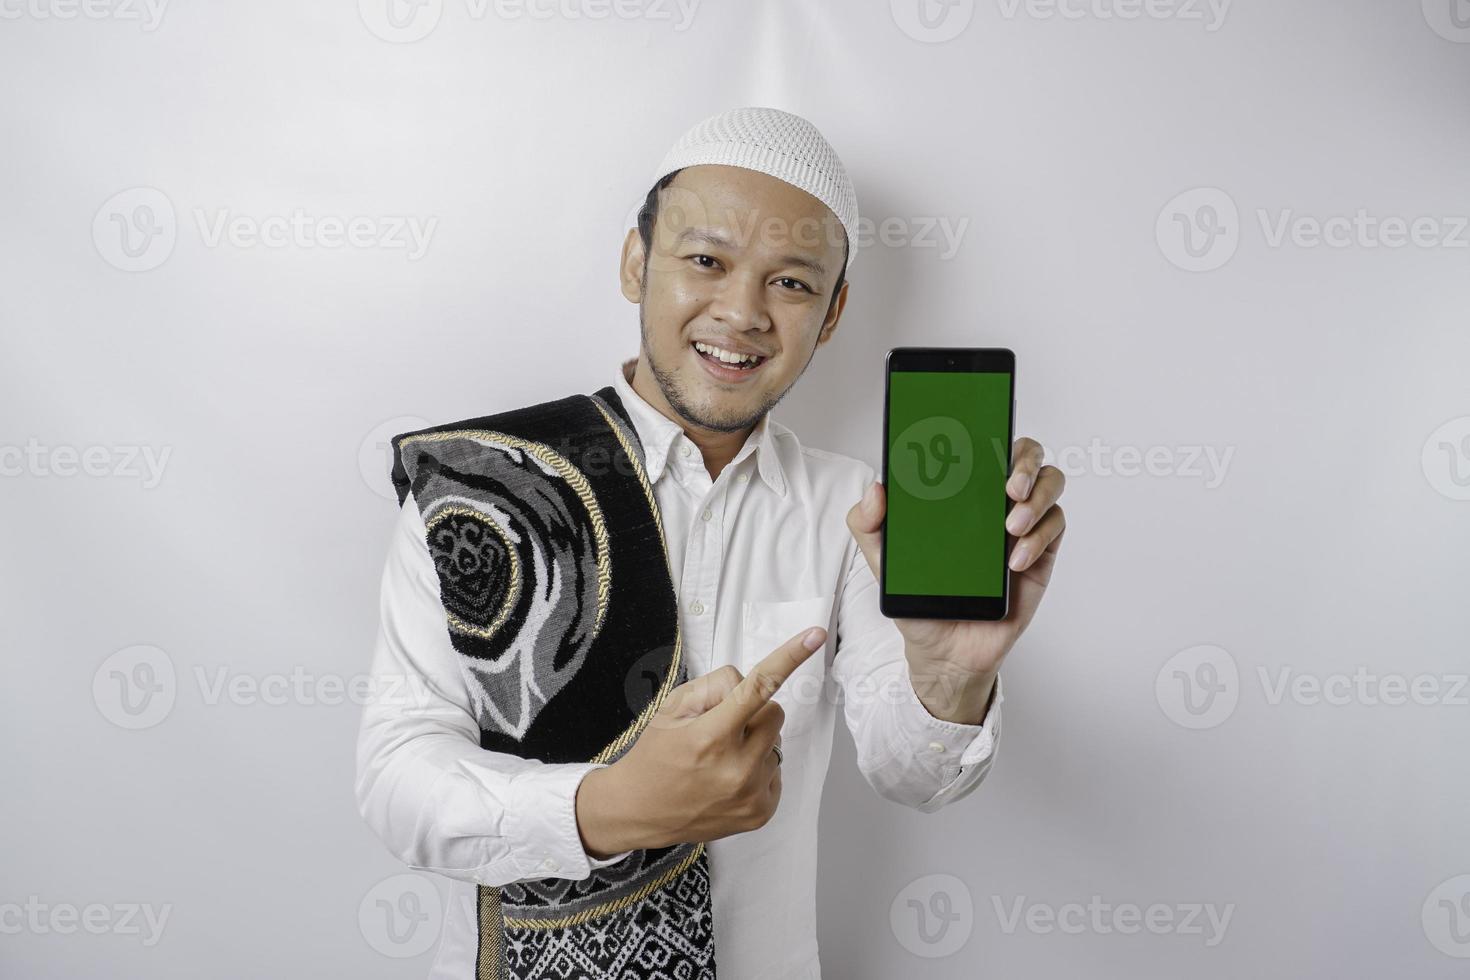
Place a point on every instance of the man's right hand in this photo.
(703, 768)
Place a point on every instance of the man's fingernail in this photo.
(814, 638)
(1016, 523)
(1018, 557)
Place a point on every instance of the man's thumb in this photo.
(864, 521)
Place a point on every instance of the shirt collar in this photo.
(658, 433)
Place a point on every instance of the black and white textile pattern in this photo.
(554, 577)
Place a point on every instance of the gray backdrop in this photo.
(243, 243)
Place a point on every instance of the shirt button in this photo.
(707, 514)
(549, 864)
(697, 608)
(744, 477)
(936, 746)
(683, 450)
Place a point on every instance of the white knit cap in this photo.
(777, 143)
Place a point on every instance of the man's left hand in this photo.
(953, 663)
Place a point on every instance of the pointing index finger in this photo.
(755, 690)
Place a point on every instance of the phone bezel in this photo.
(944, 360)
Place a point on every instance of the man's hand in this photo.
(703, 768)
(953, 663)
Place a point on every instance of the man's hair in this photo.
(648, 216)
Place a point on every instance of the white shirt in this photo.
(756, 555)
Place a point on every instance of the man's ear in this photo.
(630, 270)
(829, 326)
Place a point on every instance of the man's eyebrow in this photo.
(714, 238)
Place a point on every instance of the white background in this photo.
(1334, 540)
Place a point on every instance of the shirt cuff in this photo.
(542, 825)
(945, 744)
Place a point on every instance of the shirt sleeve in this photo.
(905, 753)
(438, 801)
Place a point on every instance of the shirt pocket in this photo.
(765, 625)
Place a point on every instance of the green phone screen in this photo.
(948, 457)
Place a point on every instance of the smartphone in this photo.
(948, 422)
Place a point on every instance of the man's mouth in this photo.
(727, 359)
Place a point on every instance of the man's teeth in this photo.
(729, 357)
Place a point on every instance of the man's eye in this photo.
(798, 282)
(714, 262)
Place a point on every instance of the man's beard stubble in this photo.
(675, 395)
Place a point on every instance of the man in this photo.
(738, 267)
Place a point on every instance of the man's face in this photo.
(741, 261)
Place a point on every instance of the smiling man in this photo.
(626, 616)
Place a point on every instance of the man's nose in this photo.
(741, 303)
